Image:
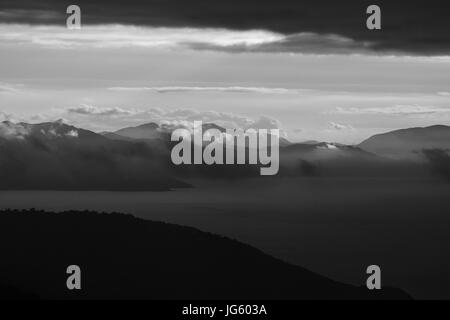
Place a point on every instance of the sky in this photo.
(310, 68)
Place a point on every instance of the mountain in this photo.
(55, 155)
(310, 142)
(208, 126)
(47, 130)
(144, 131)
(114, 136)
(408, 143)
(333, 159)
(154, 131)
(138, 259)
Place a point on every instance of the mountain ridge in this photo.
(157, 261)
(66, 157)
(408, 142)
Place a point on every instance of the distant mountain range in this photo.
(145, 131)
(150, 131)
(406, 143)
(59, 156)
(55, 155)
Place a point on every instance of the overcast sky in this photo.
(309, 67)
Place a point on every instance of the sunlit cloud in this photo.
(214, 39)
(9, 88)
(85, 109)
(340, 126)
(115, 117)
(262, 90)
(118, 36)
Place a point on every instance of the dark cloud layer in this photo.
(416, 27)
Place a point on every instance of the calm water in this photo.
(336, 227)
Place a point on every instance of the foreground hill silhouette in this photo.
(123, 257)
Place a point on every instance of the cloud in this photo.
(444, 93)
(16, 118)
(417, 29)
(9, 130)
(338, 126)
(213, 39)
(6, 116)
(97, 111)
(72, 133)
(224, 119)
(167, 118)
(31, 15)
(395, 110)
(265, 122)
(9, 88)
(262, 90)
(38, 118)
(121, 36)
(233, 41)
(305, 42)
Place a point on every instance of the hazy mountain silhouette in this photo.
(114, 136)
(310, 142)
(333, 159)
(440, 161)
(208, 126)
(160, 137)
(58, 156)
(123, 257)
(154, 131)
(408, 143)
(144, 131)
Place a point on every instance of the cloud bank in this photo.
(232, 41)
(175, 118)
(339, 126)
(262, 90)
(419, 28)
(395, 110)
